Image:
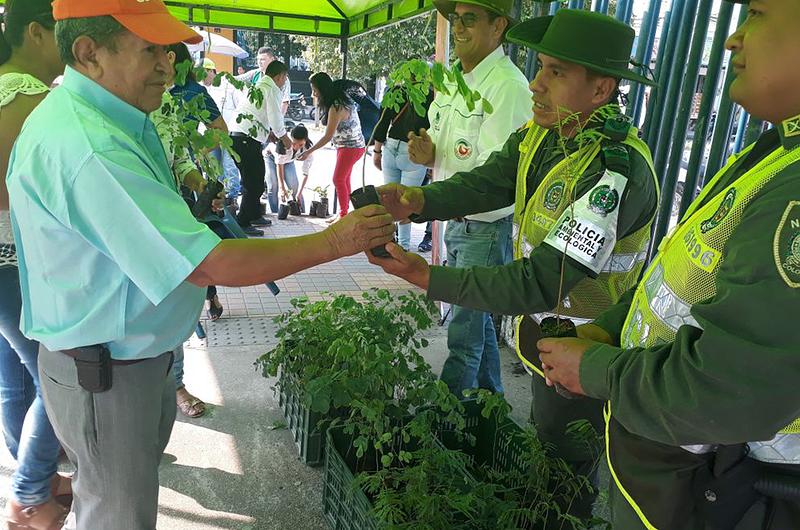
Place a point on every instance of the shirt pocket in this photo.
(464, 145)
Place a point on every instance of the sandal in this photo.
(190, 405)
(46, 516)
(61, 489)
(214, 309)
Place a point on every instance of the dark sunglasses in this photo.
(467, 20)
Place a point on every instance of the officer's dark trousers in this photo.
(765, 514)
(252, 168)
(551, 414)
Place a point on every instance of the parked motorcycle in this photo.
(298, 109)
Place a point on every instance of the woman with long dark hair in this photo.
(29, 62)
(343, 129)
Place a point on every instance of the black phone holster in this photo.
(94, 368)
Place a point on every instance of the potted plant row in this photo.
(402, 451)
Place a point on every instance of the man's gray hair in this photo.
(103, 30)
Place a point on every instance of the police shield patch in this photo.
(786, 245)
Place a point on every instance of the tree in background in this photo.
(376, 53)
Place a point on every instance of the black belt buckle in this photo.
(94, 368)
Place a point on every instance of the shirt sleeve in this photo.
(531, 285)
(270, 112)
(732, 381)
(286, 91)
(306, 169)
(511, 102)
(490, 186)
(144, 227)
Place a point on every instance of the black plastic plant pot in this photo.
(283, 211)
(322, 209)
(294, 208)
(553, 327)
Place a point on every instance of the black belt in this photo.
(245, 136)
(118, 362)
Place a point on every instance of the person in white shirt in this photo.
(281, 170)
(459, 140)
(264, 58)
(249, 135)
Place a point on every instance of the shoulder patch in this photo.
(786, 245)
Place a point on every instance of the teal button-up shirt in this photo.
(105, 242)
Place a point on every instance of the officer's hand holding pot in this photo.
(362, 229)
(561, 360)
(406, 265)
(402, 201)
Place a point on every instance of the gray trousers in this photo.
(114, 439)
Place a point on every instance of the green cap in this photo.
(599, 42)
(501, 7)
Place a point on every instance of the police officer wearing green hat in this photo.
(700, 362)
(584, 195)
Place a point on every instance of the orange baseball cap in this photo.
(147, 19)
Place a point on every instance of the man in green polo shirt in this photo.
(113, 266)
(700, 363)
(584, 193)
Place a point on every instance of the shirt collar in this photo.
(483, 68)
(789, 131)
(124, 115)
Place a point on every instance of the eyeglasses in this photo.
(467, 20)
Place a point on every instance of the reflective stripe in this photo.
(700, 449)
(665, 304)
(647, 524)
(625, 262)
(783, 449)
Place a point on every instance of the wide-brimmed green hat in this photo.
(501, 7)
(599, 42)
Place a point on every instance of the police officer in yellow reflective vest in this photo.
(584, 193)
(702, 360)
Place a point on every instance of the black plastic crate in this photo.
(307, 427)
(344, 506)
(499, 443)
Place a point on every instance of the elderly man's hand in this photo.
(561, 361)
(421, 149)
(411, 267)
(402, 201)
(360, 230)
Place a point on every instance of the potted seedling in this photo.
(320, 208)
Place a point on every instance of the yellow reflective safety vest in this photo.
(684, 273)
(549, 217)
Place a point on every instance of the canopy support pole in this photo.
(442, 56)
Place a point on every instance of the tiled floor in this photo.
(351, 276)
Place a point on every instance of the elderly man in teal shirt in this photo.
(112, 264)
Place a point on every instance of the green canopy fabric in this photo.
(322, 18)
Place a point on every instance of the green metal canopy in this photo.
(320, 18)
(323, 18)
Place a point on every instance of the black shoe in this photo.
(252, 231)
(261, 222)
(425, 245)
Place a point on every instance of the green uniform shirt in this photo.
(670, 393)
(528, 285)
